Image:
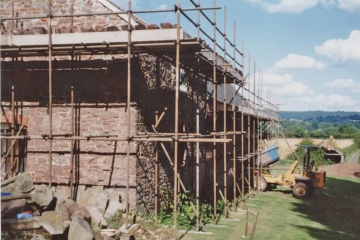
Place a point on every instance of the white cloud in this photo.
(336, 101)
(298, 6)
(298, 96)
(295, 61)
(342, 50)
(333, 102)
(294, 89)
(162, 7)
(328, 3)
(270, 78)
(350, 5)
(286, 6)
(347, 84)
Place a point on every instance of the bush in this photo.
(186, 215)
(316, 155)
(357, 139)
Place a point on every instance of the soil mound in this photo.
(342, 169)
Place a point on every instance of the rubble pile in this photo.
(26, 207)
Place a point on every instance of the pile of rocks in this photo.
(85, 219)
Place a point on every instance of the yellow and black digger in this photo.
(302, 184)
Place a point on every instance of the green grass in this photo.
(332, 213)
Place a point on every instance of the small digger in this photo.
(303, 184)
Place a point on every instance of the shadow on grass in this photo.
(286, 191)
(184, 233)
(337, 207)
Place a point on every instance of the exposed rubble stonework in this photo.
(99, 84)
(99, 110)
(99, 94)
(99, 91)
(40, 7)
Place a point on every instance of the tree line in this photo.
(315, 129)
(321, 116)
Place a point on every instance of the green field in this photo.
(333, 213)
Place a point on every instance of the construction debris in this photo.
(41, 209)
(113, 208)
(79, 229)
(12, 206)
(96, 217)
(96, 198)
(21, 183)
(52, 222)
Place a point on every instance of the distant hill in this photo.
(321, 116)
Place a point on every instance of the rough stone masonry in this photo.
(99, 83)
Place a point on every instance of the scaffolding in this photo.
(254, 113)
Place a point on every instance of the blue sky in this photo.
(307, 51)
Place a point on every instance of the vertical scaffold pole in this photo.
(128, 99)
(11, 165)
(248, 135)
(176, 138)
(224, 119)
(197, 171)
(261, 125)
(156, 169)
(72, 12)
(254, 130)
(50, 97)
(72, 144)
(258, 133)
(242, 135)
(197, 132)
(12, 23)
(234, 125)
(214, 115)
(198, 21)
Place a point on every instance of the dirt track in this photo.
(345, 169)
(355, 157)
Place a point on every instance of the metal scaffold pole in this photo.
(128, 109)
(261, 129)
(254, 130)
(234, 127)
(198, 132)
(50, 97)
(197, 173)
(156, 168)
(242, 137)
(10, 171)
(176, 137)
(72, 144)
(214, 117)
(224, 124)
(261, 123)
(248, 136)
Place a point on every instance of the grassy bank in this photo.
(332, 213)
(349, 151)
